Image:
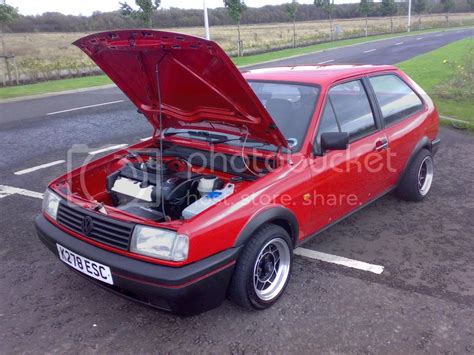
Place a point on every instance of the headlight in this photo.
(159, 243)
(51, 203)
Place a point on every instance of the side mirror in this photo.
(334, 141)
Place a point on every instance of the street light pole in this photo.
(206, 21)
(409, 16)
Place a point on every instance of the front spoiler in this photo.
(186, 290)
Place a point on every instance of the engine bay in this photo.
(178, 186)
(175, 183)
(158, 191)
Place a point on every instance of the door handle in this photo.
(381, 144)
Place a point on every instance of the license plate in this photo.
(86, 266)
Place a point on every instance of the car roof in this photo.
(314, 74)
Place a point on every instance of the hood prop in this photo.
(158, 88)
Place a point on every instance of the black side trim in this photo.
(435, 145)
(424, 142)
(273, 214)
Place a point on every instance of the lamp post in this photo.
(206, 21)
(409, 16)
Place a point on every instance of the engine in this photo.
(154, 191)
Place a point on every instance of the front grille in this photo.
(104, 229)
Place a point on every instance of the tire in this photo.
(254, 285)
(416, 183)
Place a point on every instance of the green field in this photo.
(440, 67)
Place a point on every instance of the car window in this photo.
(328, 123)
(352, 109)
(396, 99)
(290, 105)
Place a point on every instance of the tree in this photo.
(236, 8)
(365, 7)
(328, 7)
(292, 9)
(419, 6)
(448, 6)
(471, 4)
(389, 8)
(7, 14)
(146, 9)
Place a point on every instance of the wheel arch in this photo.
(278, 215)
(423, 143)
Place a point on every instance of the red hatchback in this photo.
(241, 169)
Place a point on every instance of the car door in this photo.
(401, 110)
(344, 180)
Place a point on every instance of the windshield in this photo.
(290, 105)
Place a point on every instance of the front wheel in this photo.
(263, 269)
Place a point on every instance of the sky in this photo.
(87, 7)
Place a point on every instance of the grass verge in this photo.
(285, 53)
(78, 83)
(53, 86)
(438, 67)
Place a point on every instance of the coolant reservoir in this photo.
(207, 201)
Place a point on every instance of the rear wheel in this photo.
(263, 269)
(417, 181)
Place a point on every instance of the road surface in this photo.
(422, 301)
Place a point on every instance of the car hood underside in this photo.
(195, 81)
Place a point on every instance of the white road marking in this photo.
(84, 107)
(145, 139)
(9, 190)
(438, 35)
(419, 38)
(399, 43)
(370, 50)
(106, 149)
(339, 260)
(327, 61)
(42, 166)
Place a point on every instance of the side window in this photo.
(396, 99)
(328, 123)
(352, 109)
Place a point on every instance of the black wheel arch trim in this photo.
(422, 143)
(271, 215)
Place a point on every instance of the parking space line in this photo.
(339, 260)
(370, 50)
(327, 61)
(10, 190)
(42, 166)
(112, 147)
(84, 107)
(399, 43)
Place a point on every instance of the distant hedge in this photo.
(174, 17)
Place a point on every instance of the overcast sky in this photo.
(87, 7)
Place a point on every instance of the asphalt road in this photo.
(422, 302)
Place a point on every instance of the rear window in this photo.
(396, 99)
(290, 105)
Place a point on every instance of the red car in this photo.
(242, 168)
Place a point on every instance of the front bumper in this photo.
(187, 290)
